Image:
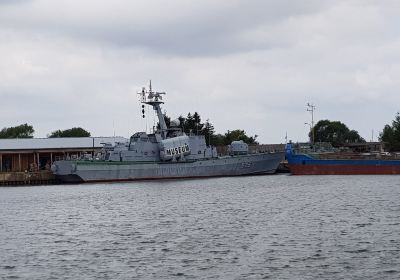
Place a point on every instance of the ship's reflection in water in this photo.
(279, 227)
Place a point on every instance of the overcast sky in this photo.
(248, 64)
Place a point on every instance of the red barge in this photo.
(339, 163)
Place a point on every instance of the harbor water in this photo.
(256, 227)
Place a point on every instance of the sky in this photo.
(251, 65)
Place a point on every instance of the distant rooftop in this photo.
(56, 143)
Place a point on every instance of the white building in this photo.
(24, 153)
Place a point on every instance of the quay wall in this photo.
(27, 178)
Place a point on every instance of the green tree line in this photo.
(72, 132)
(192, 123)
(391, 135)
(20, 131)
(338, 134)
(334, 132)
(27, 131)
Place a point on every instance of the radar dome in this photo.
(175, 123)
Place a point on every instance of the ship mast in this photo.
(154, 99)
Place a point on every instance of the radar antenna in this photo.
(154, 95)
(153, 98)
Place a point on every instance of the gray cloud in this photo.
(14, 2)
(242, 64)
(179, 28)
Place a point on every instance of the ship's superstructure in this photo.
(168, 152)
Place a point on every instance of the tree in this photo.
(182, 122)
(391, 135)
(72, 132)
(166, 119)
(237, 135)
(198, 126)
(218, 140)
(209, 133)
(352, 136)
(192, 124)
(335, 132)
(189, 123)
(20, 131)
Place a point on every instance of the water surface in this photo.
(262, 227)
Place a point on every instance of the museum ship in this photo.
(167, 153)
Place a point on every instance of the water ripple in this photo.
(263, 227)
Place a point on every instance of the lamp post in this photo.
(310, 127)
(311, 108)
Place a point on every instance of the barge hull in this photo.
(306, 164)
(331, 169)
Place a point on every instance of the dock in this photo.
(42, 177)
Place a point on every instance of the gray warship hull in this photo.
(70, 171)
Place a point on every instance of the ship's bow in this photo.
(65, 171)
